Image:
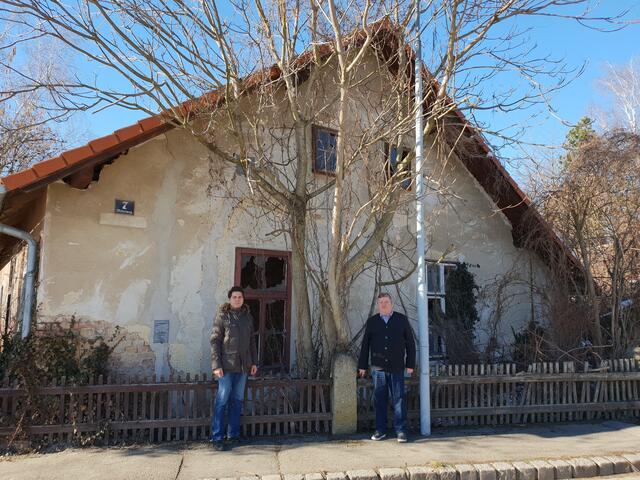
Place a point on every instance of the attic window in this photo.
(324, 150)
(392, 162)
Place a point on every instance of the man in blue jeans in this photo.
(233, 356)
(388, 338)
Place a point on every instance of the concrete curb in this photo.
(550, 469)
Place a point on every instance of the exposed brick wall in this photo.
(132, 356)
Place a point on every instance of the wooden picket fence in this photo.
(108, 412)
(465, 395)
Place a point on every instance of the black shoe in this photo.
(402, 437)
(233, 442)
(378, 436)
(218, 446)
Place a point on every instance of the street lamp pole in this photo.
(422, 299)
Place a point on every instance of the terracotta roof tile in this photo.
(104, 143)
(151, 123)
(48, 167)
(128, 133)
(17, 180)
(77, 154)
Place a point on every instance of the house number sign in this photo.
(125, 206)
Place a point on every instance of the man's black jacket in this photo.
(391, 344)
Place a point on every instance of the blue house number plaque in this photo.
(125, 206)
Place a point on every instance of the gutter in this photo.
(28, 286)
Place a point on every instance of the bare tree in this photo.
(250, 70)
(621, 85)
(594, 204)
(32, 127)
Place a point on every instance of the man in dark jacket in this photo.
(389, 339)
(233, 356)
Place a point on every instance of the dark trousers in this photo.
(389, 385)
(229, 398)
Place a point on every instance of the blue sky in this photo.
(578, 46)
(566, 39)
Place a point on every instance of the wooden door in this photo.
(265, 276)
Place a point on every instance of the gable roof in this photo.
(76, 166)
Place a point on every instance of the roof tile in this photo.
(77, 154)
(150, 123)
(50, 166)
(20, 179)
(104, 143)
(128, 133)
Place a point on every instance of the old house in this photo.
(146, 229)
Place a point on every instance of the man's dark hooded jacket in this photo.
(233, 345)
(391, 344)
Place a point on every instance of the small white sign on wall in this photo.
(161, 331)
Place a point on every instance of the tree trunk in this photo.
(304, 348)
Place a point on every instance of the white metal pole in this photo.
(421, 300)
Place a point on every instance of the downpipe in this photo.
(28, 286)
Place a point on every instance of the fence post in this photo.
(344, 395)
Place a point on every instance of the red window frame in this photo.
(269, 295)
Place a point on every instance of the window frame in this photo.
(314, 143)
(439, 296)
(265, 295)
(387, 164)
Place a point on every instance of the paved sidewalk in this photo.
(314, 455)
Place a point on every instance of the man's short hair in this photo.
(235, 289)
(383, 295)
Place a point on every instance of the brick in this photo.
(336, 476)
(634, 460)
(271, 477)
(583, 468)
(466, 472)
(447, 473)
(422, 473)
(622, 464)
(391, 474)
(88, 332)
(505, 471)
(605, 466)
(249, 477)
(525, 471)
(362, 475)
(293, 476)
(544, 470)
(486, 472)
(313, 476)
(562, 468)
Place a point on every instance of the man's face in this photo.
(385, 306)
(236, 300)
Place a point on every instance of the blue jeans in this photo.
(229, 400)
(385, 385)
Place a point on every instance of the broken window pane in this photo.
(275, 315)
(274, 350)
(263, 272)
